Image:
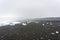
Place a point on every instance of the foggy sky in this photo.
(30, 8)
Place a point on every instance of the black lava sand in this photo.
(31, 31)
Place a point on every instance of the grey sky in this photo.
(30, 8)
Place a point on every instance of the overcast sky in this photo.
(30, 8)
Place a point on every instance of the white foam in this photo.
(9, 23)
(24, 24)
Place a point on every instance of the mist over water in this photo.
(13, 10)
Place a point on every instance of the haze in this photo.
(30, 8)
